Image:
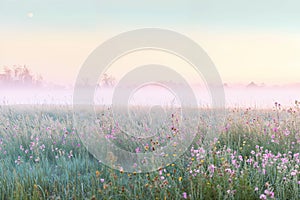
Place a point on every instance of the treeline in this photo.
(19, 76)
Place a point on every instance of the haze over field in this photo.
(259, 44)
(235, 97)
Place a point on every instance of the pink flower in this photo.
(262, 196)
(286, 132)
(211, 168)
(241, 158)
(294, 173)
(137, 150)
(184, 195)
(273, 136)
(102, 180)
(269, 193)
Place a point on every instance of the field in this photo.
(256, 156)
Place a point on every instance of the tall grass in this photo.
(255, 157)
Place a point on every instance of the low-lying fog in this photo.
(263, 97)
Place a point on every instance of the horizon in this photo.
(260, 44)
(56, 39)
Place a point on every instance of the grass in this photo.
(256, 156)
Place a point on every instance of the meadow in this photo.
(256, 156)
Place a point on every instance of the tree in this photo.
(19, 76)
(107, 81)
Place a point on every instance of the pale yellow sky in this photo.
(269, 57)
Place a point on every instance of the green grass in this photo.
(42, 157)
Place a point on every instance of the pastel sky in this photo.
(247, 40)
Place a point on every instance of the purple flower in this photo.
(137, 150)
(211, 168)
(184, 195)
(269, 193)
(294, 173)
(262, 196)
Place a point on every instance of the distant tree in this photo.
(39, 80)
(107, 81)
(7, 73)
(19, 76)
(26, 76)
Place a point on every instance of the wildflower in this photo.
(273, 136)
(102, 180)
(294, 173)
(137, 150)
(97, 173)
(231, 191)
(18, 161)
(269, 193)
(180, 178)
(240, 158)
(286, 132)
(211, 168)
(262, 196)
(184, 195)
(105, 186)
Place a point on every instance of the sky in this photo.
(247, 40)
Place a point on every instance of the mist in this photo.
(235, 96)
